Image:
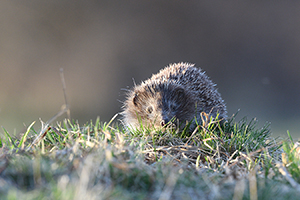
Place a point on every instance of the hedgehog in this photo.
(176, 96)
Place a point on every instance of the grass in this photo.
(233, 160)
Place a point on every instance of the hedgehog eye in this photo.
(149, 109)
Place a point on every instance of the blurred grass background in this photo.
(250, 49)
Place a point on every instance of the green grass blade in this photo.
(8, 137)
(51, 138)
(112, 119)
(288, 132)
(25, 135)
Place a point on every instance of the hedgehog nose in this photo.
(165, 121)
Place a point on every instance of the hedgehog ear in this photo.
(135, 99)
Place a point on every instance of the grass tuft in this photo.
(229, 160)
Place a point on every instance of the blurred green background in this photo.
(249, 48)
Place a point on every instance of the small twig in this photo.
(57, 132)
(46, 128)
(65, 109)
(41, 136)
(230, 158)
(194, 132)
(62, 77)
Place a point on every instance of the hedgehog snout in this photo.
(167, 121)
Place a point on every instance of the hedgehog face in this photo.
(158, 106)
(143, 106)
